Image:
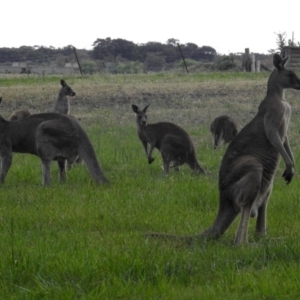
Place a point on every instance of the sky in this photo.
(227, 26)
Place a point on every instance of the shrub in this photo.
(225, 62)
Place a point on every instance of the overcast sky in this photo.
(227, 26)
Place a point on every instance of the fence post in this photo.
(182, 58)
(247, 61)
(74, 49)
(258, 66)
(252, 63)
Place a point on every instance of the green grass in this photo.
(80, 241)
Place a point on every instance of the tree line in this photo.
(109, 50)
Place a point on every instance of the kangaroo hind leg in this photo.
(62, 169)
(166, 162)
(261, 221)
(46, 164)
(5, 163)
(245, 192)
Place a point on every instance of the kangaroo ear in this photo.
(135, 108)
(0, 99)
(62, 82)
(285, 60)
(145, 108)
(278, 62)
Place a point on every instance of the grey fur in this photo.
(62, 104)
(50, 136)
(173, 142)
(250, 162)
(19, 115)
(223, 128)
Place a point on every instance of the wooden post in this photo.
(252, 63)
(246, 62)
(287, 52)
(183, 58)
(258, 66)
(77, 60)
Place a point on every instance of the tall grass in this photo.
(80, 241)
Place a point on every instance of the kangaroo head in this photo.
(217, 139)
(141, 116)
(66, 89)
(284, 77)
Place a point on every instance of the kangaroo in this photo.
(250, 162)
(173, 142)
(223, 127)
(62, 104)
(19, 115)
(50, 136)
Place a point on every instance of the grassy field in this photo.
(80, 241)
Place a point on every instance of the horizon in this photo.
(227, 26)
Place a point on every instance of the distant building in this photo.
(294, 54)
(72, 65)
(19, 65)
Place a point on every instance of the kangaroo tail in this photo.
(88, 154)
(223, 220)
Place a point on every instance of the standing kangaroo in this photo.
(62, 104)
(50, 136)
(173, 142)
(251, 159)
(223, 127)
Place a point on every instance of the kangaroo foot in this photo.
(150, 160)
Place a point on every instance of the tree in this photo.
(89, 67)
(172, 42)
(293, 44)
(102, 48)
(124, 48)
(281, 43)
(155, 62)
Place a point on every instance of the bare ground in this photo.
(185, 101)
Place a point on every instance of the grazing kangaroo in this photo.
(174, 143)
(251, 159)
(223, 127)
(50, 136)
(19, 115)
(62, 104)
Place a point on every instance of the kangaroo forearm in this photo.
(150, 151)
(145, 146)
(288, 150)
(5, 166)
(288, 160)
(281, 148)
